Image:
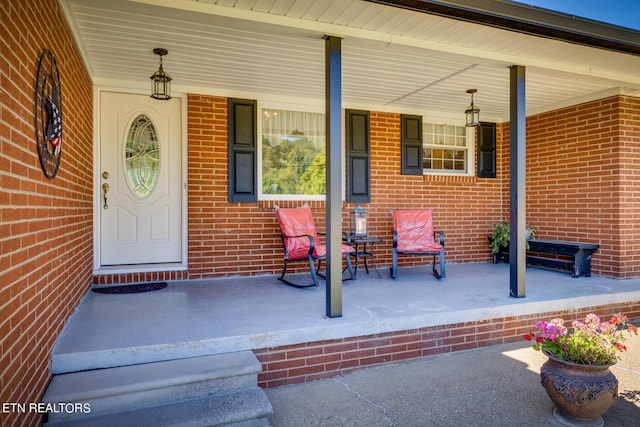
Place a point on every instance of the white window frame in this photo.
(470, 146)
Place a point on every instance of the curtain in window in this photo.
(279, 125)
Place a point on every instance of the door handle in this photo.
(105, 190)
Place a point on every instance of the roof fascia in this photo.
(529, 20)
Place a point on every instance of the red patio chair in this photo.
(413, 234)
(300, 243)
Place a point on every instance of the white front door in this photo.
(140, 180)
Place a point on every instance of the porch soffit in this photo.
(528, 19)
(393, 59)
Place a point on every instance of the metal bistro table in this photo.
(362, 251)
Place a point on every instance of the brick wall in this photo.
(583, 179)
(310, 361)
(464, 207)
(581, 185)
(227, 239)
(46, 228)
(628, 181)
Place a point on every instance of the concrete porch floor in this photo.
(195, 318)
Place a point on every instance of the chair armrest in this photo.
(395, 239)
(346, 236)
(312, 242)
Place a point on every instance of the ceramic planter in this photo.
(581, 393)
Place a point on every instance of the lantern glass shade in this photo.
(160, 86)
(359, 218)
(160, 81)
(472, 112)
(473, 116)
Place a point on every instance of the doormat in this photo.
(131, 289)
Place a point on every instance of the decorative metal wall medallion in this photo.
(48, 114)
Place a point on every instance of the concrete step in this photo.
(147, 388)
(247, 408)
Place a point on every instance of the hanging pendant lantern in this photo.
(160, 81)
(472, 112)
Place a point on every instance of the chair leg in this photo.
(439, 274)
(295, 285)
(352, 275)
(314, 271)
(349, 267)
(435, 271)
(394, 264)
(284, 271)
(318, 273)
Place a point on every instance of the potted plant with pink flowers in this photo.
(576, 375)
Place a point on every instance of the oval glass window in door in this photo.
(142, 156)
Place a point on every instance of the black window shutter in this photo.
(486, 150)
(242, 150)
(411, 141)
(358, 156)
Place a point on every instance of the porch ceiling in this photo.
(393, 59)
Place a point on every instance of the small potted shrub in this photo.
(501, 234)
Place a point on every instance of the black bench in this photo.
(580, 254)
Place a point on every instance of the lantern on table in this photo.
(359, 222)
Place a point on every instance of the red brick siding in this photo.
(463, 206)
(227, 239)
(46, 226)
(139, 277)
(310, 361)
(582, 179)
(628, 250)
(581, 185)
